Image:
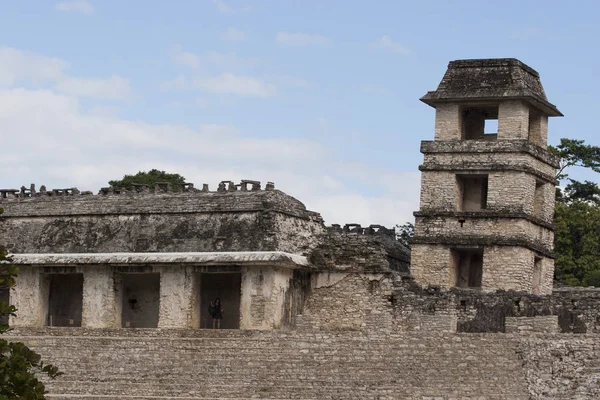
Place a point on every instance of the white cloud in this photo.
(226, 61)
(17, 66)
(175, 84)
(81, 6)
(187, 59)
(301, 39)
(225, 8)
(234, 35)
(228, 83)
(291, 81)
(385, 42)
(113, 88)
(66, 146)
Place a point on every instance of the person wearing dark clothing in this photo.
(216, 312)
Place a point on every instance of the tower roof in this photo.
(491, 79)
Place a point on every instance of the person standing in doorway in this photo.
(217, 313)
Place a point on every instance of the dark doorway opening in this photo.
(469, 268)
(227, 287)
(141, 300)
(65, 299)
(4, 299)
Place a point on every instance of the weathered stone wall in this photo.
(431, 263)
(507, 267)
(360, 250)
(392, 303)
(529, 325)
(561, 366)
(448, 124)
(264, 293)
(348, 301)
(485, 225)
(504, 267)
(513, 120)
(283, 365)
(438, 191)
(480, 161)
(175, 222)
(508, 191)
(122, 364)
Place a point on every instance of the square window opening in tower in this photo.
(65, 299)
(467, 267)
(480, 123)
(141, 300)
(471, 192)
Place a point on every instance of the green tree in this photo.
(404, 233)
(575, 153)
(577, 216)
(18, 364)
(149, 178)
(576, 242)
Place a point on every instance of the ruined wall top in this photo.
(145, 199)
(491, 79)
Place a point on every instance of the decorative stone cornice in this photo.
(490, 146)
(245, 258)
(484, 214)
(480, 240)
(485, 167)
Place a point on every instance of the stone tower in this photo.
(487, 181)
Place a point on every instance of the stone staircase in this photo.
(156, 364)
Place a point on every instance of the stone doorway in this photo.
(141, 300)
(65, 299)
(468, 267)
(227, 287)
(5, 298)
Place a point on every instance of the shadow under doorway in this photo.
(227, 287)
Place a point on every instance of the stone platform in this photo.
(147, 364)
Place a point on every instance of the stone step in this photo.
(259, 390)
(271, 365)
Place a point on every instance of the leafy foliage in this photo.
(18, 363)
(577, 216)
(576, 242)
(149, 178)
(404, 233)
(574, 153)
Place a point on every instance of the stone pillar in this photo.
(448, 122)
(513, 120)
(178, 298)
(101, 303)
(30, 296)
(263, 297)
(538, 128)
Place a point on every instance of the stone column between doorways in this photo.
(179, 304)
(101, 299)
(30, 297)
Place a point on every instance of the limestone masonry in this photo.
(115, 287)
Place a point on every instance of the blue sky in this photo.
(320, 97)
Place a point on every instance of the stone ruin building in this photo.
(114, 287)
